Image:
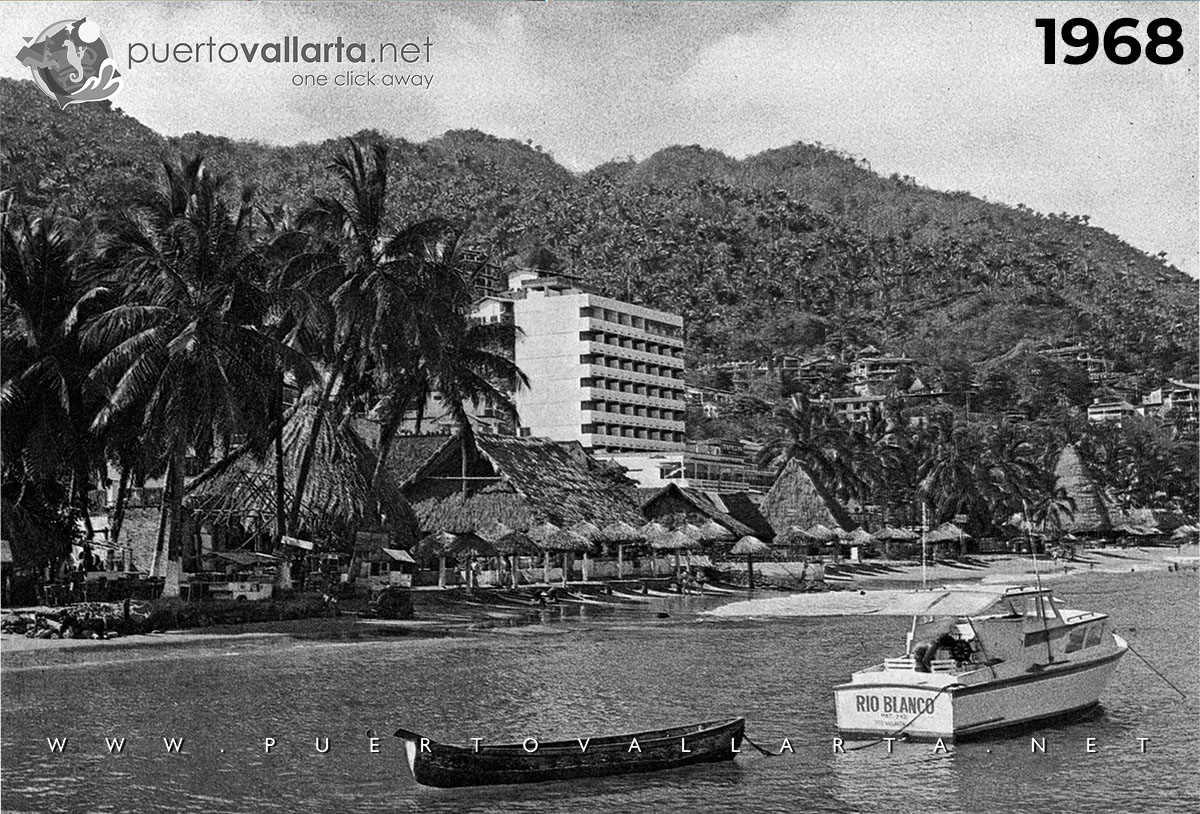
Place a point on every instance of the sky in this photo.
(956, 95)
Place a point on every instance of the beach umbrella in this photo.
(512, 545)
(1184, 532)
(589, 530)
(949, 531)
(713, 532)
(568, 542)
(675, 541)
(859, 536)
(747, 547)
(516, 542)
(540, 532)
(493, 531)
(621, 533)
(794, 536)
(469, 546)
(565, 540)
(653, 529)
(592, 533)
(887, 533)
(822, 533)
(939, 535)
(437, 543)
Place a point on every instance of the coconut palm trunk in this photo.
(80, 483)
(280, 500)
(169, 548)
(122, 499)
(310, 443)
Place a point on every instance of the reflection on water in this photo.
(595, 673)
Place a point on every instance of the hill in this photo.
(796, 249)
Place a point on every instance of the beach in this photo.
(870, 587)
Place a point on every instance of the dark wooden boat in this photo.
(444, 766)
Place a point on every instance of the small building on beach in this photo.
(798, 499)
(234, 505)
(734, 511)
(1090, 516)
(520, 482)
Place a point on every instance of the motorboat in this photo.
(980, 660)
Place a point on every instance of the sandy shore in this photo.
(440, 617)
(1004, 568)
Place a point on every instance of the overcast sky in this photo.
(955, 95)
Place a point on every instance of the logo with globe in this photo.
(71, 62)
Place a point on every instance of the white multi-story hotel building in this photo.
(602, 372)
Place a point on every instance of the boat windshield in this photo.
(1034, 604)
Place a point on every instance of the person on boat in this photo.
(925, 651)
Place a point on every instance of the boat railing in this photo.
(908, 664)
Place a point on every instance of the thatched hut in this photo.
(797, 499)
(1091, 514)
(673, 505)
(239, 495)
(520, 482)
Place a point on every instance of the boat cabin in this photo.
(1019, 626)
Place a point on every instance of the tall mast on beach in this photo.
(924, 529)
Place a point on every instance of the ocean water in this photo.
(585, 674)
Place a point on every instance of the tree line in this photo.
(943, 461)
(172, 327)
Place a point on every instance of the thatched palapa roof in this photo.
(1091, 513)
(735, 512)
(338, 498)
(521, 482)
(797, 499)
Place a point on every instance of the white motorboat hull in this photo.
(931, 705)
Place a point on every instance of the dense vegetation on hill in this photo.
(158, 294)
(792, 250)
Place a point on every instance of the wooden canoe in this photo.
(445, 766)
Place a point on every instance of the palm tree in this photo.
(344, 255)
(949, 471)
(185, 354)
(813, 435)
(400, 327)
(49, 289)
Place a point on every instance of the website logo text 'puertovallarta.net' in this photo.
(286, 50)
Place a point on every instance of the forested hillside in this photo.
(793, 250)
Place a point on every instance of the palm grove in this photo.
(171, 329)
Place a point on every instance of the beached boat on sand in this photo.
(980, 660)
(444, 766)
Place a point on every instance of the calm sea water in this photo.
(589, 674)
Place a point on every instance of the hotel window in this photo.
(585, 312)
(587, 429)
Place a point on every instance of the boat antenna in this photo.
(1029, 541)
(924, 528)
(1041, 597)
